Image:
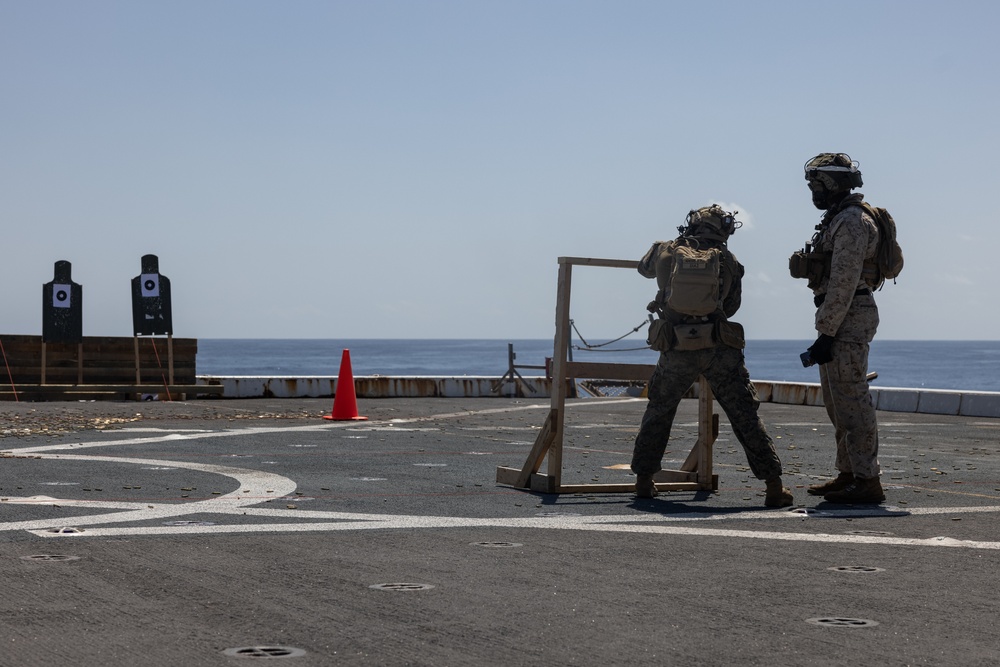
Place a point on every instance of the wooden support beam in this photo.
(541, 447)
(137, 388)
(609, 371)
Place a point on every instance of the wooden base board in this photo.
(30, 392)
(666, 480)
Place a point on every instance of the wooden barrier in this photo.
(696, 472)
(99, 367)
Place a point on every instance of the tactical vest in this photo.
(814, 264)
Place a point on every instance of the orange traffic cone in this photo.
(345, 402)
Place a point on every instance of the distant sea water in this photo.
(957, 365)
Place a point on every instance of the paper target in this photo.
(62, 296)
(150, 284)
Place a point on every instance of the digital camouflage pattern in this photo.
(726, 373)
(852, 236)
(848, 403)
(724, 369)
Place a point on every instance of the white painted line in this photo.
(151, 429)
(256, 481)
(554, 522)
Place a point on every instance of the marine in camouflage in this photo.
(848, 313)
(722, 366)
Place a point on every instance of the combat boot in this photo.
(842, 481)
(777, 495)
(644, 486)
(860, 492)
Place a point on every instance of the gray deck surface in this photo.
(208, 526)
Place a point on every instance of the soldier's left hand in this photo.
(822, 350)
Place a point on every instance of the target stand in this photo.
(695, 474)
(168, 379)
(79, 362)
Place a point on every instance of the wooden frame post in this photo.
(138, 374)
(170, 358)
(696, 473)
(169, 379)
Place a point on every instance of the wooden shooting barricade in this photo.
(114, 368)
(695, 473)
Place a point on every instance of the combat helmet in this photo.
(710, 222)
(836, 172)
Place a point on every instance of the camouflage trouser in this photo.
(726, 373)
(849, 404)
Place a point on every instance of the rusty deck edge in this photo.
(889, 399)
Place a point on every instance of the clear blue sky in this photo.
(408, 169)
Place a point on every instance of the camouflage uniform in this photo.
(847, 311)
(724, 369)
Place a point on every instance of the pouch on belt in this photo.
(660, 335)
(696, 336)
(731, 334)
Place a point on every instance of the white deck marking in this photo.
(595, 524)
(253, 483)
(256, 487)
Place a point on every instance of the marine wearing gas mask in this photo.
(839, 263)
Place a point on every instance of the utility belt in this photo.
(819, 299)
(665, 335)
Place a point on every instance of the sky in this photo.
(414, 169)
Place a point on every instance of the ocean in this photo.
(956, 365)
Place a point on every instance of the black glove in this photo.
(822, 350)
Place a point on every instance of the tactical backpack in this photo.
(694, 280)
(888, 258)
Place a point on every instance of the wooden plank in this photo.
(707, 430)
(94, 362)
(71, 376)
(31, 345)
(538, 451)
(91, 371)
(138, 388)
(138, 360)
(624, 488)
(596, 261)
(103, 392)
(544, 484)
(509, 476)
(564, 283)
(609, 371)
(667, 476)
(101, 360)
(75, 396)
